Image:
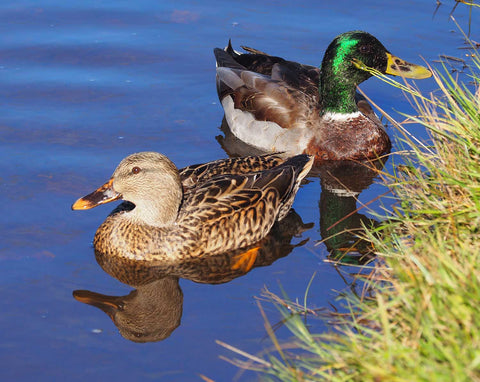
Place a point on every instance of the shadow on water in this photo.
(153, 311)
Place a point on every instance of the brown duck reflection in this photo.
(150, 313)
(341, 226)
(153, 310)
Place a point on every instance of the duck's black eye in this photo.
(136, 170)
(364, 49)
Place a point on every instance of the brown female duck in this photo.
(202, 210)
(283, 106)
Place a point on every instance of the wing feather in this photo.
(267, 99)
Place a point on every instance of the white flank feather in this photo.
(264, 135)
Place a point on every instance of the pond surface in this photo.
(84, 84)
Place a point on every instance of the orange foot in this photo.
(244, 261)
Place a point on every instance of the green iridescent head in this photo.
(349, 46)
(340, 75)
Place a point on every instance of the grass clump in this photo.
(421, 321)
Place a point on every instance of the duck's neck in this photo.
(337, 93)
(144, 215)
(160, 211)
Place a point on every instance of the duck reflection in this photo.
(341, 225)
(153, 310)
(148, 314)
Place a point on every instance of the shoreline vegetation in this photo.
(419, 318)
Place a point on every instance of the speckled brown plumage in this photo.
(154, 309)
(212, 269)
(225, 206)
(200, 173)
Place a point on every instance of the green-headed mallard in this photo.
(283, 106)
(202, 210)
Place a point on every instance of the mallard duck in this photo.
(283, 106)
(202, 210)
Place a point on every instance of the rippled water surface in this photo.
(85, 83)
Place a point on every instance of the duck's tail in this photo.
(285, 179)
(301, 165)
(227, 57)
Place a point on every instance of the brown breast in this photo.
(357, 139)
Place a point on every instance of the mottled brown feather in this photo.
(213, 269)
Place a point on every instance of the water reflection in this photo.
(147, 314)
(153, 310)
(341, 225)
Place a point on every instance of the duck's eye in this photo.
(136, 170)
(365, 49)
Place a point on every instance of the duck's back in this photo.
(235, 210)
(304, 78)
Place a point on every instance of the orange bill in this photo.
(101, 195)
(109, 304)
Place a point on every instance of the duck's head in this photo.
(149, 313)
(341, 72)
(149, 180)
(358, 46)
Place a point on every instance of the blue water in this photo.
(85, 83)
